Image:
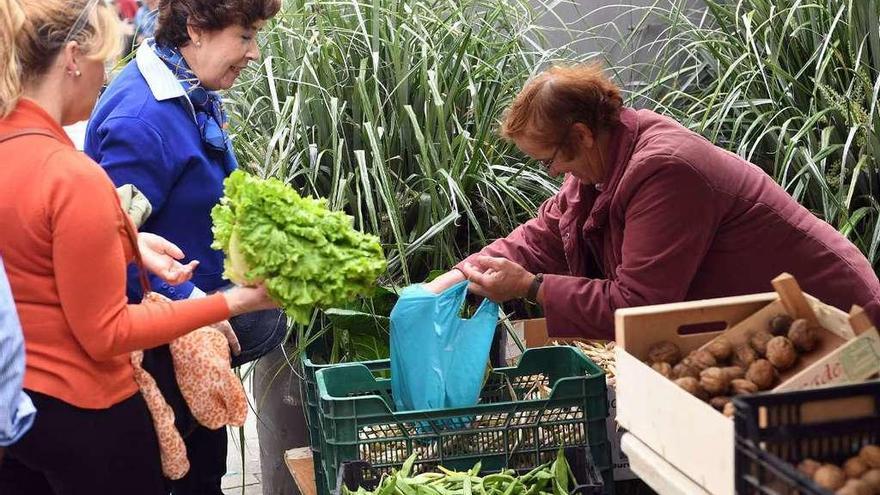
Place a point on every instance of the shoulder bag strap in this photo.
(26, 132)
(129, 230)
(142, 270)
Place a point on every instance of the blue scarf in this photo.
(210, 117)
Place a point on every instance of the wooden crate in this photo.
(301, 466)
(687, 432)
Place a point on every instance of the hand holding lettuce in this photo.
(307, 255)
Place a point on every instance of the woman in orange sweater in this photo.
(66, 243)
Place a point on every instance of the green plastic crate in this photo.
(554, 397)
(309, 392)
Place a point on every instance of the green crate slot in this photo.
(309, 391)
(555, 397)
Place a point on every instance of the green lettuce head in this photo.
(307, 255)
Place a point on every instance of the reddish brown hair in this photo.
(559, 97)
(210, 15)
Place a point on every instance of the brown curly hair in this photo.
(548, 105)
(211, 15)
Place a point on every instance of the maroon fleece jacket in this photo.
(677, 219)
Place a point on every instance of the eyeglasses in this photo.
(548, 163)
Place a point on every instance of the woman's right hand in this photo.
(247, 299)
(160, 257)
(444, 281)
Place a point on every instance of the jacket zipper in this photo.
(595, 255)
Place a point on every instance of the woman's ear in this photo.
(195, 33)
(69, 58)
(584, 135)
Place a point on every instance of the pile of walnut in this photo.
(720, 370)
(859, 475)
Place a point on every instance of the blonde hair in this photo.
(33, 33)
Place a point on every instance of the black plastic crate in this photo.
(775, 431)
(356, 474)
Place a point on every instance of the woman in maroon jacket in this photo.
(649, 213)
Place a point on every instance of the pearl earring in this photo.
(78, 73)
(199, 44)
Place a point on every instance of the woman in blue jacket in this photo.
(160, 126)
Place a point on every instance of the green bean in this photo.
(448, 472)
(427, 477)
(387, 487)
(538, 486)
(494, 478)
(406, 469)
(531, 474)
(427, 490)
(561, 470)
(404, 488)
(551, 478)
(513, 486)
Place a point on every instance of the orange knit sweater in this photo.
(63, 239)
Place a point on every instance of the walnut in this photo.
(762, 374)
(855, 487)
(719, 402)
(871, 455)
(744, 356)
(781, 353)
(729, 410)
(743, 387)
(829, 477)
(804, 337)
(779, 324)
(809, 467)
(720, 348)
(663, 368)
(734, 372)
(714, 381)
(702, 359)
(692, 386)
(855, 467)
(684, 369)
(759, 340)
(664, 351)
(872, 478)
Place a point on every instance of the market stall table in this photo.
(661, 476)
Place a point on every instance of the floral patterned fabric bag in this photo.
(202, 368)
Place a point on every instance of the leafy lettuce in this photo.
(307, 255)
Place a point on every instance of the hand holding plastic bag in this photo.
(438, 358)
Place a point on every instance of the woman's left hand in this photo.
(499, 279)
(226, 329)
(160, 257)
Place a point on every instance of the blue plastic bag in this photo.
(438, 359)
